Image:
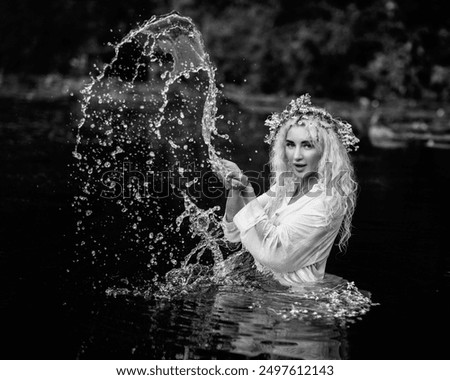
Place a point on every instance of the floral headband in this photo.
(302, 107)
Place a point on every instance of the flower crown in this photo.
(302, 107)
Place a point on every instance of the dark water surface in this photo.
(398, 252)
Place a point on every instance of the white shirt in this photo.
(295, 243)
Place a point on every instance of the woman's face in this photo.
(303, 157)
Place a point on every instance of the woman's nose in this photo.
(298, 154)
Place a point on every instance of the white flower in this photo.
(302, 107)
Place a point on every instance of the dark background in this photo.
(337, 49)
(347, 54)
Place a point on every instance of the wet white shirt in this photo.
(295, 243)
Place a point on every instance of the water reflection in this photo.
(257, 332)
(227, 312)
(225, 323)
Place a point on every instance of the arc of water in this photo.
(169, 33)
(178, 37)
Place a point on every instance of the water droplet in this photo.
(77, 155)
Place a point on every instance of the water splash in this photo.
(329, 301)
(342, 301)
(204, 224)
(140, 150)
(177, 37)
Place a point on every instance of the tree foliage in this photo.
(333, 48)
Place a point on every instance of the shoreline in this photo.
(394, 124)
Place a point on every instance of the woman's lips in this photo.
(299, 166)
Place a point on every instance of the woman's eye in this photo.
(289, 144)
(308, 145)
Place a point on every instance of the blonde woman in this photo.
(290, 229)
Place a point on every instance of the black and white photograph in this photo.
(225, 180)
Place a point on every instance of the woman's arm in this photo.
(237, 199)
(240, 190)
(240, 193)
(235, 203)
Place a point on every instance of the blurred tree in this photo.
(52, 35)
(333, 48)
(236, 33)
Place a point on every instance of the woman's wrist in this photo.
(233, 193)
(228, 219)
(248, 192)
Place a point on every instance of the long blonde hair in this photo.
(334, 163)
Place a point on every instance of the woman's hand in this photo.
(232, 179)
(239, 181)
(241, 190)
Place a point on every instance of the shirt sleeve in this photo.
(293, 243)
(230, 231)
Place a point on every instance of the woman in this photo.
(290, 229)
